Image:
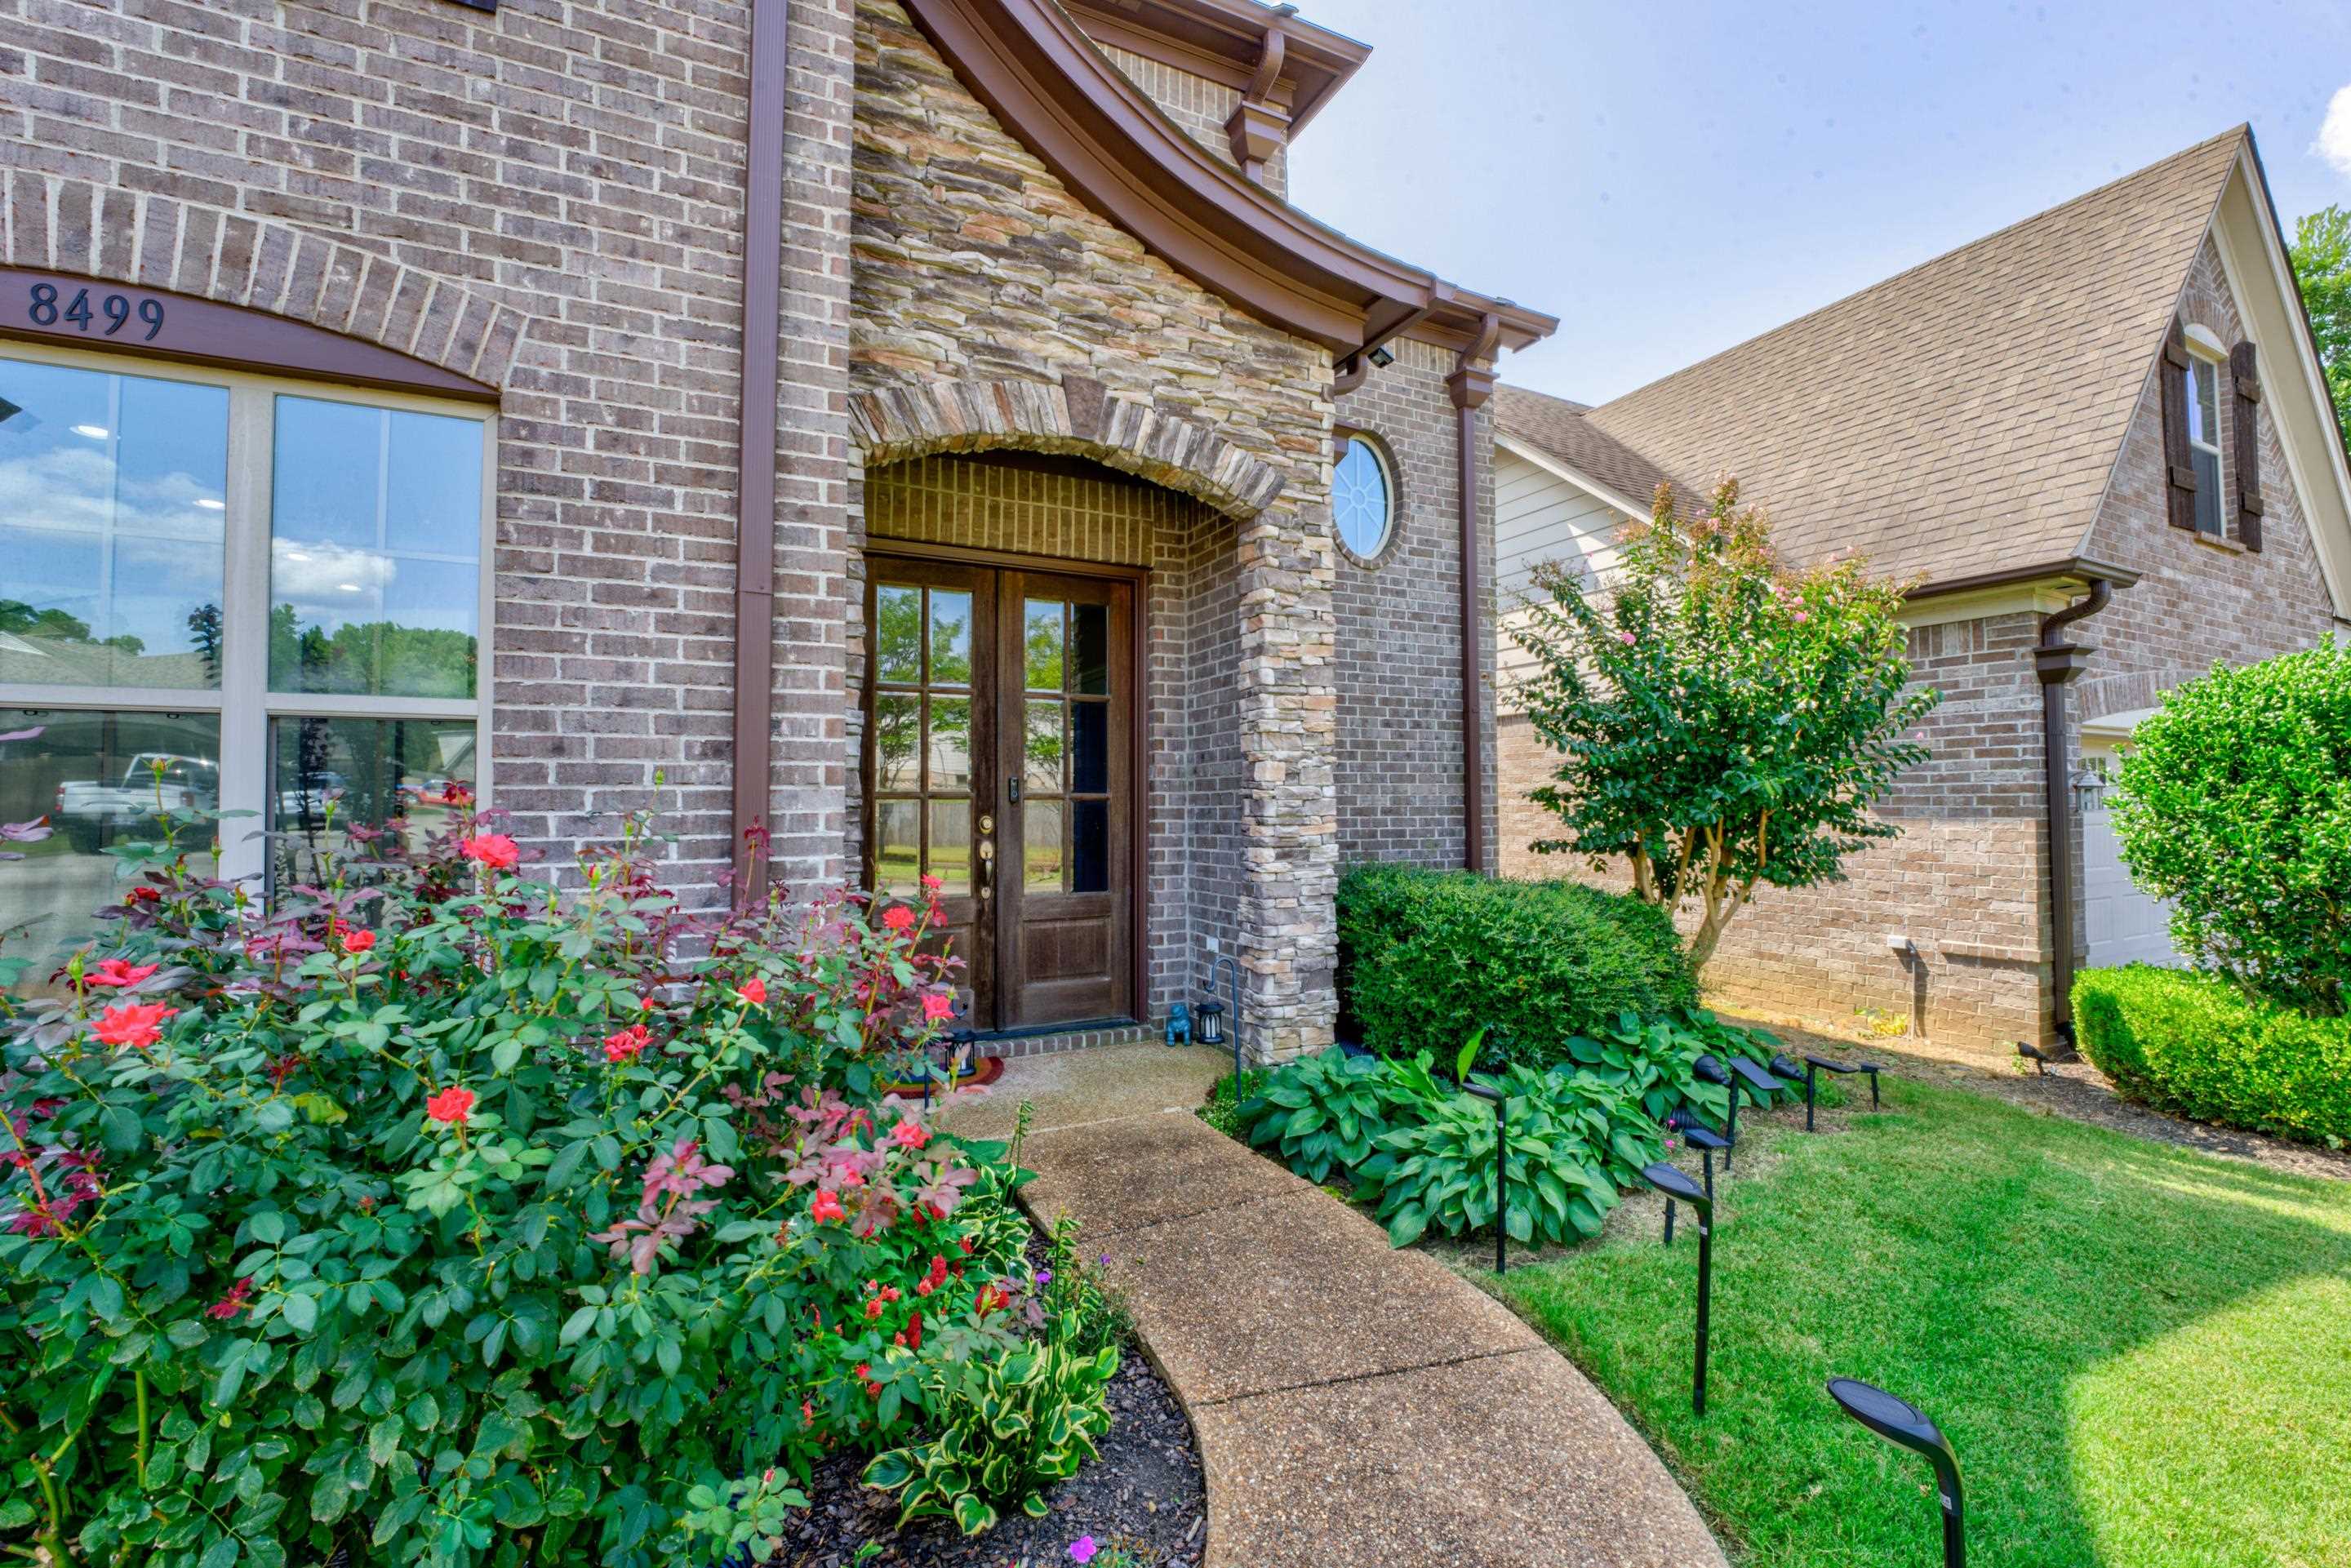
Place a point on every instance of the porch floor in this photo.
(1356, 1406)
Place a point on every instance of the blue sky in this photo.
(1673, 177)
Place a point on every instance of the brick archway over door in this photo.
(1075, 418)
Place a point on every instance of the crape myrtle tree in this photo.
(1724, 722)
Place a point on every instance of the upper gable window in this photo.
(2203, 402)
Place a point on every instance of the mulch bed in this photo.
(1143, 1493)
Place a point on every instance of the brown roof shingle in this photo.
(1559, 427)
(1959, 417)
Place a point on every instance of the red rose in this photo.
(938, 1007)
(910, 1134)
(496, 851)
(139, 1023)
(453, 1104)
(622, 1045)
(826, 1206)
(898, 917)
(753, 991)
(358, 941)
(112, 972)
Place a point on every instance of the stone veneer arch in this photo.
(1077, 417)
(56, 223)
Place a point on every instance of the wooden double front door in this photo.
(999, 725)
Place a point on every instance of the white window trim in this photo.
(2203, 348)
(242, 700)
(1392, 524)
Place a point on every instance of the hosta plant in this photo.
(433, 1218)
(1007, 1425)
(1573, 1142)
(1323, 1113)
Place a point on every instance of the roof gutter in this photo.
(2077, 568)
(2057, 662)
(755, 459)
(1471, 383)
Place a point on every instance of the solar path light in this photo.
(1502, 1173)
(1900, 1422)
(1756, 1081)
(1678, 1187)
(1705, 1141)
(1816, 1065)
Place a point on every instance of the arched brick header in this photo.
(1078, 418)
(2128, 693)
(59, 225)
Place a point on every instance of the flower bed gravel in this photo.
(1142, 1494)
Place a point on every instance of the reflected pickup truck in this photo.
(86, 808)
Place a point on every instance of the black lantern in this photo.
(1210, 1022)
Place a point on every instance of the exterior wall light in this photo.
(1678, 1187)
(2089, 787)
(1900, 1423)
(1382, 356)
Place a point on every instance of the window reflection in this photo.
(101, 778)
(329, 775)
(112, 511)
(375, 550)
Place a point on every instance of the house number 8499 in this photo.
(115, 309)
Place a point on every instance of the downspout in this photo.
(2058, 661)
(754, 463)
(1471, 383)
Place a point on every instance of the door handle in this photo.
(983, 872)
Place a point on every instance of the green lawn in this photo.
(2142, 1355)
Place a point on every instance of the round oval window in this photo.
(1362, 499)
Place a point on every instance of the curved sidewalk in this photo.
(1356, 1406)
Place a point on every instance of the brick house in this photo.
(1104, 536)
(2098, 444)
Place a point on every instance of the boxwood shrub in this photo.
(2195, 1043)
(1425, 956)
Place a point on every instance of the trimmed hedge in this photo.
(1426, 956)
(2194, 1043)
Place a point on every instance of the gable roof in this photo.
(1959, 417)
(1559, 430)
(1054, 89)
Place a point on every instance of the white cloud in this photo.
(2333, 143)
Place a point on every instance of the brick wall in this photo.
(1964, 881)
(1400, 774)
(972, 263)
(554, 197)
(1200, 107)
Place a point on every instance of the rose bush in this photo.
(443, 1221)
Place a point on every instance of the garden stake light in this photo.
(1816, 1065)
(1705, 1140)
(1710, 1070)
(1757, 1083)
(1676, 1186)
(1501, 1176)
(1901, 1423)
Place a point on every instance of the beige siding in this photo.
(1539, 517)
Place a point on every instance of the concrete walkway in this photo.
(1356, 1406)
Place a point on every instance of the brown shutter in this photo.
(2242, 375)
(2180, 464)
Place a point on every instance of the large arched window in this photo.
(1363, 498)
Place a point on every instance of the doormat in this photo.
(989, 1070)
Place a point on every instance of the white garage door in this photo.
(2126, 925)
